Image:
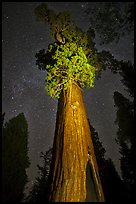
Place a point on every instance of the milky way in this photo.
(23, 84)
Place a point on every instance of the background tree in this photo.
(71, 63)
(111, 20)
(126, 140)
(113, 187)
(124, 68)
(125, 133)
(14, 158)
(3, 117)
(126, 71)
(39, 192)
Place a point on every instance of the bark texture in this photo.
(72, 150)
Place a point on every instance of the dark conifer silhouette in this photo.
(126, 140)
(125, 133)
(111, 181)
(39, 191)
(111, 20)
(14, 158)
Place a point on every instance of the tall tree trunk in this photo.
(72, 151)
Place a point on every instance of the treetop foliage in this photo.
(65, 33)
(71, 58)
(70, 65)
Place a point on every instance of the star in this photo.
(41, 38)
(83, 5)
(14, 111)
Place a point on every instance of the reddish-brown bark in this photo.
(72, 150)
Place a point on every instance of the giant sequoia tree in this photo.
(71, 64)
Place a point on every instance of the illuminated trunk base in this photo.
(72, 151)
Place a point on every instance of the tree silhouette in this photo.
(125, 122)
(3, 117)
(14, 158)
(124, 68)
(126, 71)
(111, 20)
(71, 63)
(111, 181)
(39, 192)
(126, 140)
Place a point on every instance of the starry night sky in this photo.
(23, 83)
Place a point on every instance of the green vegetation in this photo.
(71, 65)
(71, 58)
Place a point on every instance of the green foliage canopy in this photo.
(70, 65)
(71, 58)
